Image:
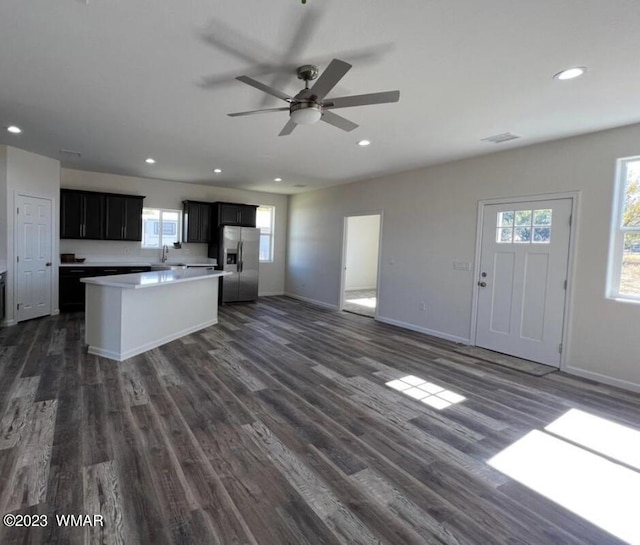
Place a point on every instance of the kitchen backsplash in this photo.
(131, 252)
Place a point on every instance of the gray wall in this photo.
(429, 221)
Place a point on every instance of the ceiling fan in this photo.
(310, 106)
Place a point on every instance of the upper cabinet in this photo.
(123, 215)
(225, 213)
(102, 216)
(196, 217)
(81, 214)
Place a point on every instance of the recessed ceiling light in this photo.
(14, 129)
(150, 160)
(277, 179)
(364, 143)
(217, 170)
(571, 73)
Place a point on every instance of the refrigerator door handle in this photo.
(240, 262)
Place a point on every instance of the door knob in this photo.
(48, 263)
(482, 284)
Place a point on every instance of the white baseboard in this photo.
(121, 356)
(312, 301)
(426, 331)
(604, 379)
(271, 294)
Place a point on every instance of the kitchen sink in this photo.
(168, 266)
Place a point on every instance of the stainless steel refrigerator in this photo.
(240, 251)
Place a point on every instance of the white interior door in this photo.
(523, 275)
(33, 245)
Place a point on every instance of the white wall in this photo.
(166, 194)
(430, 222)
(361, 260)
(35, 175)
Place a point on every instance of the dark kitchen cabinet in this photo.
(196, 219)
(81, 214)
(123, 217)
(225, 213)
(71, 291)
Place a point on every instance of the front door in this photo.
(523, 278)
(33, 251)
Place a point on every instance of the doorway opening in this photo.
(360, 262)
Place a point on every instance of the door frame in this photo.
(343, 261)
(574, 196)
(54, 268)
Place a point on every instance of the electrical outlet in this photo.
(423, 307)
(127, 250)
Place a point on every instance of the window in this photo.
(518, 226)
(264, 221)
(160, 227)
(624, 265)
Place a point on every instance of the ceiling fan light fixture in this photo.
(306, 114)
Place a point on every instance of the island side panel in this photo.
(154, 316)
(103, 320)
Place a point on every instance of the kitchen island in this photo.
(131, 313)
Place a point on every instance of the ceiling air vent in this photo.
(500, 138)
(70, 154)
(299, 185)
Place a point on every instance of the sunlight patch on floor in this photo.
(369, 302)
(600, 490)
(427, 392)
(599, 434)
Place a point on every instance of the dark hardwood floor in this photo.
(275, 427)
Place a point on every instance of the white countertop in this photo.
(154, 279)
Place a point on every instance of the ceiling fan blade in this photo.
(263, 111)
(305, 26)
(329, 78)
(362, 100)
(264, 88)
(338, 121)
(288, 128)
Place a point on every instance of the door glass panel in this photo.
(505, 235)
(542, 235)
(542, 217)
(523, 217)
(505, 219)
(522, 234)
(529, 226)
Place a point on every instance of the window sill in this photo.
(619, 299)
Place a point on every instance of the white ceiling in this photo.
(122, 80)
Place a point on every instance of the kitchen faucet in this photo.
(165, 253)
